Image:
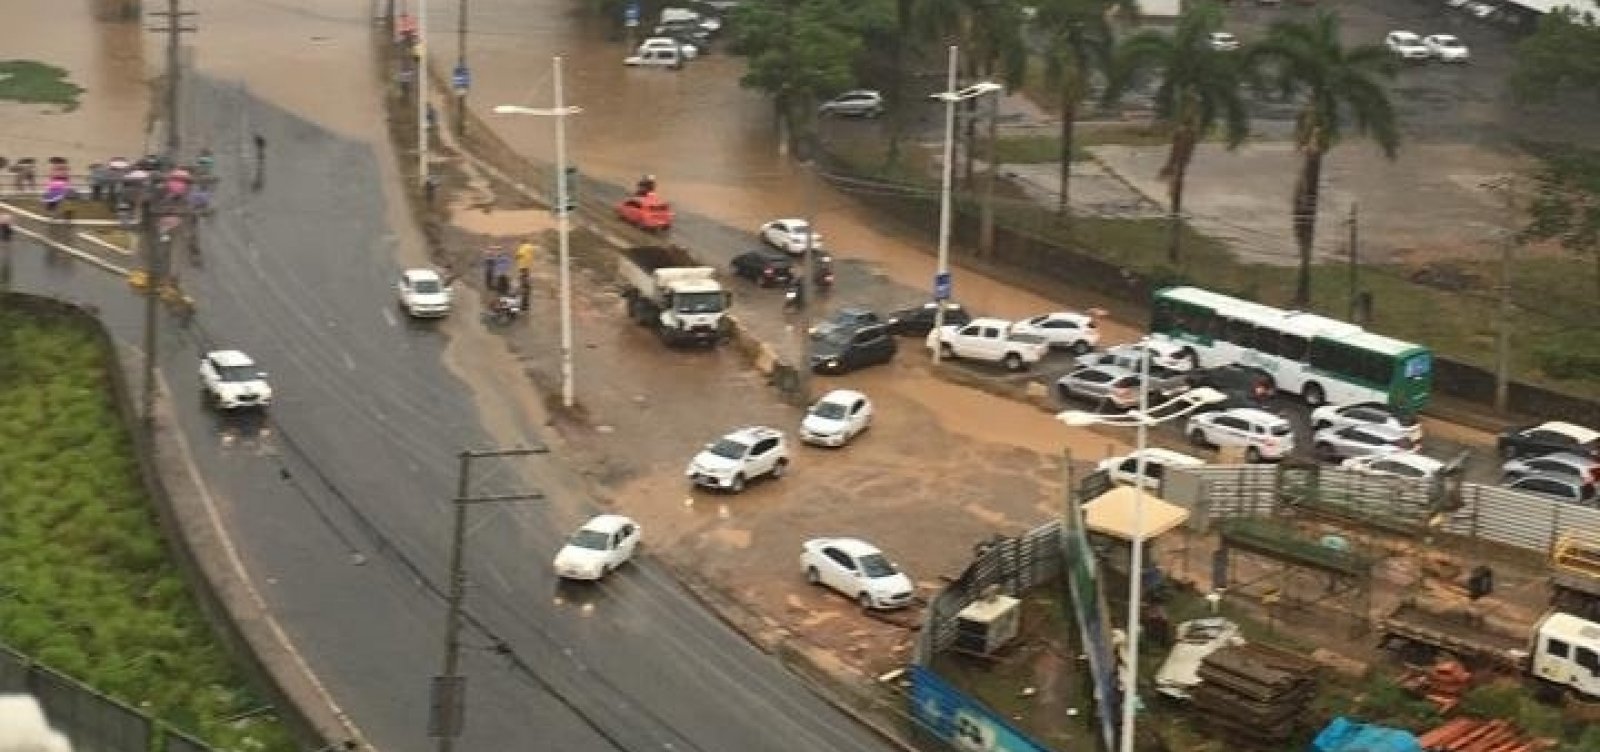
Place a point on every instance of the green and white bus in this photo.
(1321, 359)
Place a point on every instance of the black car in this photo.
(917, 320)
(846, 319)
(1244, 386)
(1549, 438)
(766, 268)
(843, 351)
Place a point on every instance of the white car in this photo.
(1365, 414)
(1163, 355)
(1397, 465)
(1360, 441)
(603, 544)
(740, 457)
(1065, 329)
(233, 381)
(423, 293)
(1180, 672)
(790, 235)
(689, 51)
(1125, 469)
(989, 340)
(1263, 435)
(1447, 48)
(836, 418)
(1222, 41)
(656, 57)
(857, 569)
(1406, 45)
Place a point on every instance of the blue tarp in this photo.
(1345, 735)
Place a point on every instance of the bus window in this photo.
(1294, 347)
(1238, 332)
(1265, 340)
(1162, 318)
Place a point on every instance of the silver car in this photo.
(1100, 385)
(1361, 441)
(1562, 464)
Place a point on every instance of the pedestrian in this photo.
(433, 118)
(489, 255)
(97, 181)
(261, 150)
(525, 253)
(524, 287)
(5, 228)
(430, 188)
(502, 269)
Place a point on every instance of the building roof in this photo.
(1113, 513)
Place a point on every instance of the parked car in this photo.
(655, 57)
(1243, 386)
(708, 23)
(1447, 48)
(1580, 467)
(845, 350)
(1064, 329)
(1556, 486)
(599, 547)
(1548, 438)
(917, 320)
(856, 569)
(1366, 414)
(847, 318)
(231, 380)
(1113, 386)
(1334, 443)
(684, 30)
(764, 267)
(1222, 41)
(1397, 465)
(1263, 435)
(989, 341)
(836, 418)
(647, 212)
(1125, 469)
(858, 103)
(689, 50)
(1171, 357)
(1406, 45)
(1196, 639)
(423, 294)
(741, 456)
(790, 235)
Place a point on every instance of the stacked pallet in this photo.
(1254, 693)
(1478, 735)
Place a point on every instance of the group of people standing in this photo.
(498, 268)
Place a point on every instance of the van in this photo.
(688, 51)
(1566, 651)
(656, 57)
(1125, 469)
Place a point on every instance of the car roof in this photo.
(1582, 434)
(989, 321)
(858, 93)
(753, 433)
(418, 275)
(606, 523)
(1255, 414)
(842, 395)
(1567, 457)
(1065, 316)
(1409, 458)
(1381, 430)
(1565, 480)
(789, 221)
(230, 358)
(1111, 368)
(851, 546)
(1164, 456)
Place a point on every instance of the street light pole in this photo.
(461, 65)
(564, 229)
(943, 269)
(422, 93)
(1130, 682)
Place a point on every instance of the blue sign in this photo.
(461, 78)
(630, 13)
(941, 286)
(960, 720)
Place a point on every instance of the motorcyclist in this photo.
(795, 296)
(646, 186)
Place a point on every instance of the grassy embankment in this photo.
(87, 586)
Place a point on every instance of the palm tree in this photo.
(1199, 88)
(1080, 41)
(1305, 58)
(998, 51)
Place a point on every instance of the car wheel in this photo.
(738, 483)
(946, 351)
(813, 576)
(1191, 357)
(1013, 362)
(865, 601)
(1198, 437)
(1080, 347)
(1252, 455)
(1314, 395)
(780, 469)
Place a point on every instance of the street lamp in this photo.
(1141, 418)
(950, 96)
(560, 113)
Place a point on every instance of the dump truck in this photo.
(1561, 650)
(666, 291)
(1575, 576)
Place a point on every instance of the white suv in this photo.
(423, 294)
(233, 381)
(741, 456)
(1264, 436)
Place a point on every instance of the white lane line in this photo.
(108, 245)
(349, 362)
(389, 317)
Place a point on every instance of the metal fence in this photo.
(1012, 564)
(1479, 512)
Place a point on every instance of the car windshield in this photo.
(833, 410)
(874, 566)
(729, 449)
(427, 286)
(1281, 429)
(698, 302)
(238, 373)
(591, 539)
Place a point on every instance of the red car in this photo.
(647, 212)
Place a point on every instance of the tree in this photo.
(1078, 49)
(998, 51)
(1563, 54)
(799, 51)
(1199, 91)
(1566, 202)
(1305, 58)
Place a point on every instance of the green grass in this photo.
(33, 82)
(1047, 149)
(88, 589)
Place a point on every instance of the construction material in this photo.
(1254, 693)
(1479, 735)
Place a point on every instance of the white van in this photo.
(688, 51)
(656, 57)
(1566, 651)
(1125, 469)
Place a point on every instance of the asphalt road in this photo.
(337, 496)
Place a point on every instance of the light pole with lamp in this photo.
(1191, 400)
(563, 208)
(950, 96)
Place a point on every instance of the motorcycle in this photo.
(503, 309)
(822, 272)
(795, 296)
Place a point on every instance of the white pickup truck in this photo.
(990, 340)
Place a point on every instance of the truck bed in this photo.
(1457, 632)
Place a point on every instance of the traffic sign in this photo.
(461, 79)
(941, 286)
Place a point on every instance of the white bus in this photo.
(1321, 359)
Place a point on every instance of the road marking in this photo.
(349, 362)
(106, 244)
(388, 316)
(73, 252)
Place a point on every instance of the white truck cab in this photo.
(990, 340)
(1566, 651)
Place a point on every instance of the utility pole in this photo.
(563, 229)
(1354, 255)
(157, 241)
(808, 287)
(173, 27)
(448, 699)
(1502, 350)
(422, 93)
(461, 65)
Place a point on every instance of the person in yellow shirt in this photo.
(525, 257)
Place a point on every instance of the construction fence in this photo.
(92, 721)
